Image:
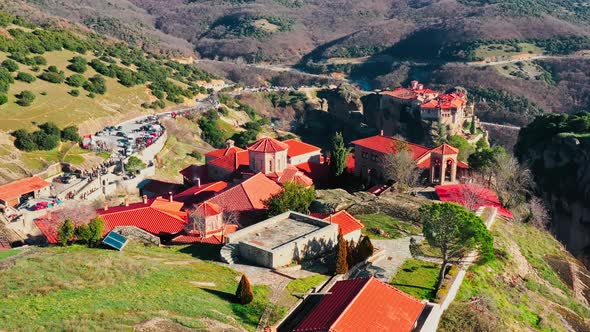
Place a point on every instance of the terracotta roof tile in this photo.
(347, 223)
(363, 305)
(207, 209)
(268, 145)
(223, 152)
(159, 216)
(384, 144)
(196, 194)
(445, 149)
(247, 195)
(297, 148)
(485, 197)
(17, 188)
(232, 161)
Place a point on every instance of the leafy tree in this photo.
(74, 92)
(50, 128)
(96, 84)
(338, 154)
(53, 77)
(3, 99)
(83, 233)
(134, 164)
(24, 140)
(25, 98)
(39, 60)
(70, 133)
(25, 77)
(341, 254)
(440, 134)
(44, 141)
(244, 294)
(76, 80)
(10, 65)
(294, 197)
(95, 229)
(481, 144)
(65, 232)
(465, 149)
(483, 161)
(455, 231)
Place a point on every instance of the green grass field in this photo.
(393, 227)
(7, 253)
(300, 286)
(417, 278)
(76, 288)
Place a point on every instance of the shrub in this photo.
(70, 133)
(83, 233)
(25, 77)
(244, 294)
(74, 92)
(196, 154)
(77, 64)
(25, 98)
(10, 65)
(50, 128)
(53, 77)
(65, 232)
(44, 141)
(96, 84)
(134, 164)
(3, 99)
(76, 80)
(24, 140)
(39, 60)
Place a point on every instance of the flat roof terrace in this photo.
(273, 235)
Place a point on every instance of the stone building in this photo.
(439, 165)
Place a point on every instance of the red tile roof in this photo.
(248, 195)
(194, 172)
(18, 188)
(195, 237)
(198, 194)
(159, 216)
(347, 223)
(385, 144)
(446, 101)
(297, 148)
(291, 174)
(48, 227)
(223, 152)
(445, 149)
(268, 145)
(363, 305)
(232, 161)
(486, 197)
(207, 209)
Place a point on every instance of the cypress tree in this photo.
(472, 127)
(365, 248)
(341, 264)
(351, 253)
(244, 293)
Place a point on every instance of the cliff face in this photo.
(561, 166)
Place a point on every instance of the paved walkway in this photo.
(392, 254)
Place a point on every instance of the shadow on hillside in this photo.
(208, 252)
(225, 296)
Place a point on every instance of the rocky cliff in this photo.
(561, 165)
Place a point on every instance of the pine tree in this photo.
(341, 264)
(244, 293)
(472, 127)
(365, 248)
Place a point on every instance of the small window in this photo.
(365, 155)
(373, 157)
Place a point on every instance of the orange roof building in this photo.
(11, 193)
(440, 165)
(363, 305)
(349, 226)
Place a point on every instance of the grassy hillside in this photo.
(75, 77)
(529, 286)
(105, 290)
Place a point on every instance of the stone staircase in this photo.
(229, 253)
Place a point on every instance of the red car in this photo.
(40, 206)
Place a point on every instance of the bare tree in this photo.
(472, 194)
(400, 168)
(196, 222)
(512, 181)
(538, 214)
